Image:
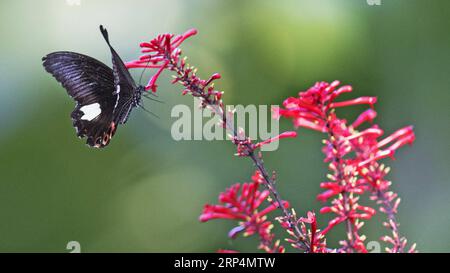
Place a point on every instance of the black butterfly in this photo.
(104, 96)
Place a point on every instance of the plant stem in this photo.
(340, 176)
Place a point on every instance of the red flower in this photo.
(242, 202)
(289, 134)
(353, 159)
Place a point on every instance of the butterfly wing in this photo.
(91, 84)
(126, 89)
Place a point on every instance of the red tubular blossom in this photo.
(375, 132)
(167, 41)
(294, 113)
(309, 107)
(138, 64)
(289, 134)
(310, 124)
(323, 197)
(176, 42)
(326, 210)
(332, 190)
(408, 139)
(368, 210)
(332, 224)
(343, 89)
(329, 88)
(401, 137)
(152, 83)
(311, 219)
(379, 155)
(405, 135)
(360, 100)
(215, 76)
(271, 208)
(214, 215)
(367, 116)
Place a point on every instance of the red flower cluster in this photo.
(353, 159)
(353, 156)
(242, 202)
(308, 239)
(160, 53)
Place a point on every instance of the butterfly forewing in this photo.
(124, 85)
(91, 84)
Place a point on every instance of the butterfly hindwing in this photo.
(91, 84)
(94, 121)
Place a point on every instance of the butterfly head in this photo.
(140, 89)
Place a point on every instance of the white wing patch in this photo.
(91, 111)
(118, 95)
(117, 89)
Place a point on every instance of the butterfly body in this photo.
(104, 97)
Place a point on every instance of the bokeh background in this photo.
(145, 191)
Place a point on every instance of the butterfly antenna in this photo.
(151, 113)
(153, 94)
(150, 98)
(142, 73)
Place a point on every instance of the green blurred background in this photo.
(145, 191)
